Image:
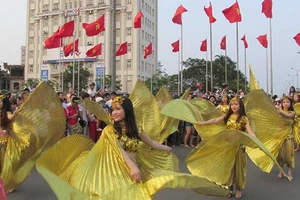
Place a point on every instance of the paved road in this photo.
(260, 185)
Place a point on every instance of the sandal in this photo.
(290, 175)
(238, 194)
(280, 175)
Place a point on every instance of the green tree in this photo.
(159, 79)
(84, 74)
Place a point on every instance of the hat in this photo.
(277, 99)
(98, 99)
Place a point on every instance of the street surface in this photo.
(260, 185)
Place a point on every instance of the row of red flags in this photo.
(233, 15)
(91, 29)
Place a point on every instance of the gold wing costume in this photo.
(297, 124)
(83, 170)
(39, 123)
(207, 159)
(271, 128)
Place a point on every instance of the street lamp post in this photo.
(297, 70)
(292, 79)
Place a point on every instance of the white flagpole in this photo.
(245, 55)
(267, 71)
(271, 57)
(237, 56)
(226, 65)
(211, 60)
(178, 79)
(181, 58)
(206, 72)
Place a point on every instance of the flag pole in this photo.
(181, 59)
(59, 71)
(267, 70)
(237, 56)
(73, 76)
(41, 50)
(62, 65)
(226, 64)
(78, 81)
(211, 59)
(206, 73)
(178, 79)
(245, 55)
(271, 57)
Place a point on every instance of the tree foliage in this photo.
(107, 83)
(195, 71)
(83, 77)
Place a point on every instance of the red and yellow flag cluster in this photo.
(91, 29)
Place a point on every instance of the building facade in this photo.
(44, 17)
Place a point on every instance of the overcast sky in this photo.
(285, 25)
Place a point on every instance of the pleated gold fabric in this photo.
(194, 111)
(268, 125)
(253, 82)
(297, 124)
(39, 123)
(99, 171)
(207, 159)
(213, 147)
(147, 112)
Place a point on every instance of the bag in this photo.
(82, 123)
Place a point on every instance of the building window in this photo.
(71, 4)
(55, 21)
(16, 86)
(128, 63)
(129, 16)
(75, 4)
(79, 34)
(31, 40)
(101, 2)
(80, 4)
(129, 47)
(44, 52)
(142, 68)
(128, 31)
(143, 34)
(45, 8)
(90, 3)
(128, 1)
(30, 68)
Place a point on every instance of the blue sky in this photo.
(196, 28)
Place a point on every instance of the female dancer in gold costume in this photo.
(236, 119)
(224, 105)
(123, 164)
(286, 152)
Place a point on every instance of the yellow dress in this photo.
(76, 168)
(39, 123)
(286, 152)
(223, 108)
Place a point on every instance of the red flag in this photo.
(209, 13)
(177, 18)
(267, 8)
(53, 41)
(69, 48)
(175, 46)
(263, 40)
(245, 41)
(95, 27)
(233, 13)
(66, 30)
(223, 43)
(148, 51)
(203, 46)
(95, 51)
(138, 20)
(122, 49)
(297, 38)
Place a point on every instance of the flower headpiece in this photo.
(236, 98)
(117, 99)
(224, 95)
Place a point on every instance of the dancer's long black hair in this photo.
(130, 121)
(6, 108)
